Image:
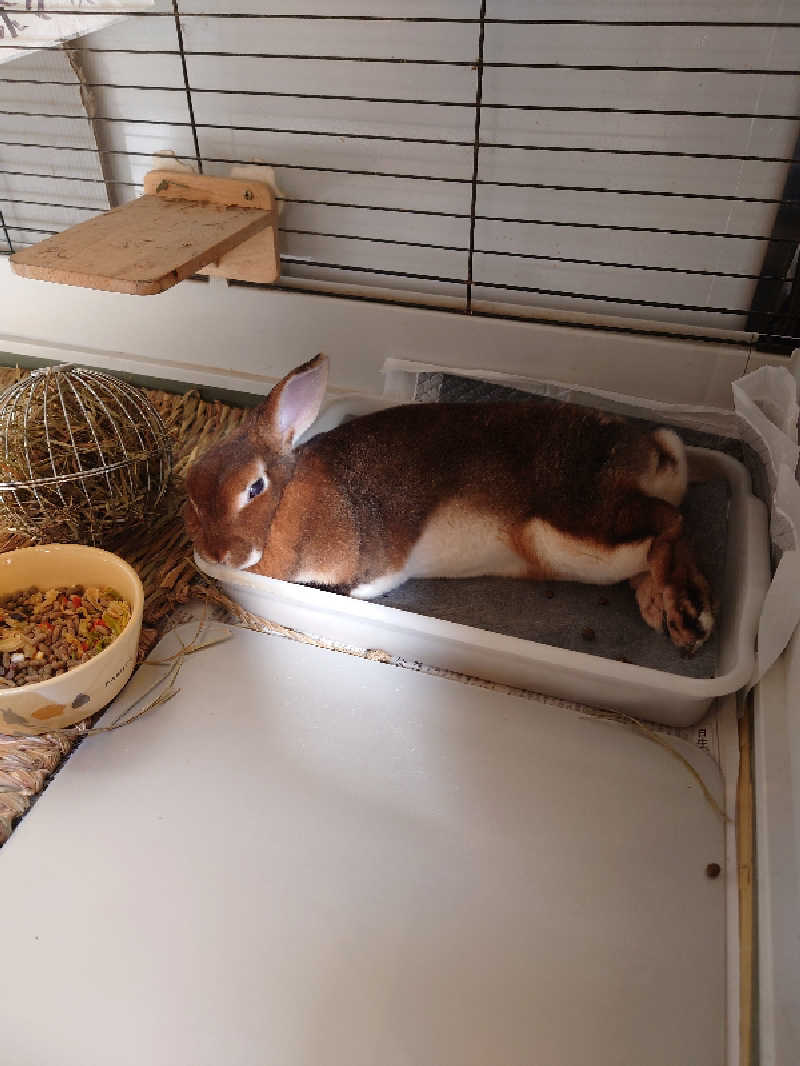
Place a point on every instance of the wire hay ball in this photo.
(82, 454)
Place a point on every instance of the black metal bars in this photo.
(404, 60)
(520, 220)
(188, 91)
(6, 236)
(476, 148)
(473, 181)
(487, 222)
(296, 16)
(582, 149)
(428, 19)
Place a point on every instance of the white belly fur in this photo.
(458, 542)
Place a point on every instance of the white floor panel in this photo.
(308, 858)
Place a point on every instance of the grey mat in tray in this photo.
(597, 620)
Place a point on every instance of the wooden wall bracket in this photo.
(183, 224)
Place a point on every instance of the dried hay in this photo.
(82, 455)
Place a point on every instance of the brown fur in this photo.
(351, 504)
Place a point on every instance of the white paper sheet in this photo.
(766, 403)
(36, 24)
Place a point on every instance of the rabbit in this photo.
(539, 490)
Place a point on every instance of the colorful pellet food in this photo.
(44, 633)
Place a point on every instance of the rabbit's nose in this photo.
(218, 556)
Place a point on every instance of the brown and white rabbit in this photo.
(538, 490)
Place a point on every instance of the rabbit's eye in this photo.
(255, 489)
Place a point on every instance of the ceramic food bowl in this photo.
(61, 701)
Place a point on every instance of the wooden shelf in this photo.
(182, 224)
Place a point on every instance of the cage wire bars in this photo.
(774, 311)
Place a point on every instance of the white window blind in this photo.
(501, 157)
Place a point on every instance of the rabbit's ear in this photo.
(294, 403)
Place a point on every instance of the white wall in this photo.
(244, 338)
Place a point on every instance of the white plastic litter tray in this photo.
(591, 679)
